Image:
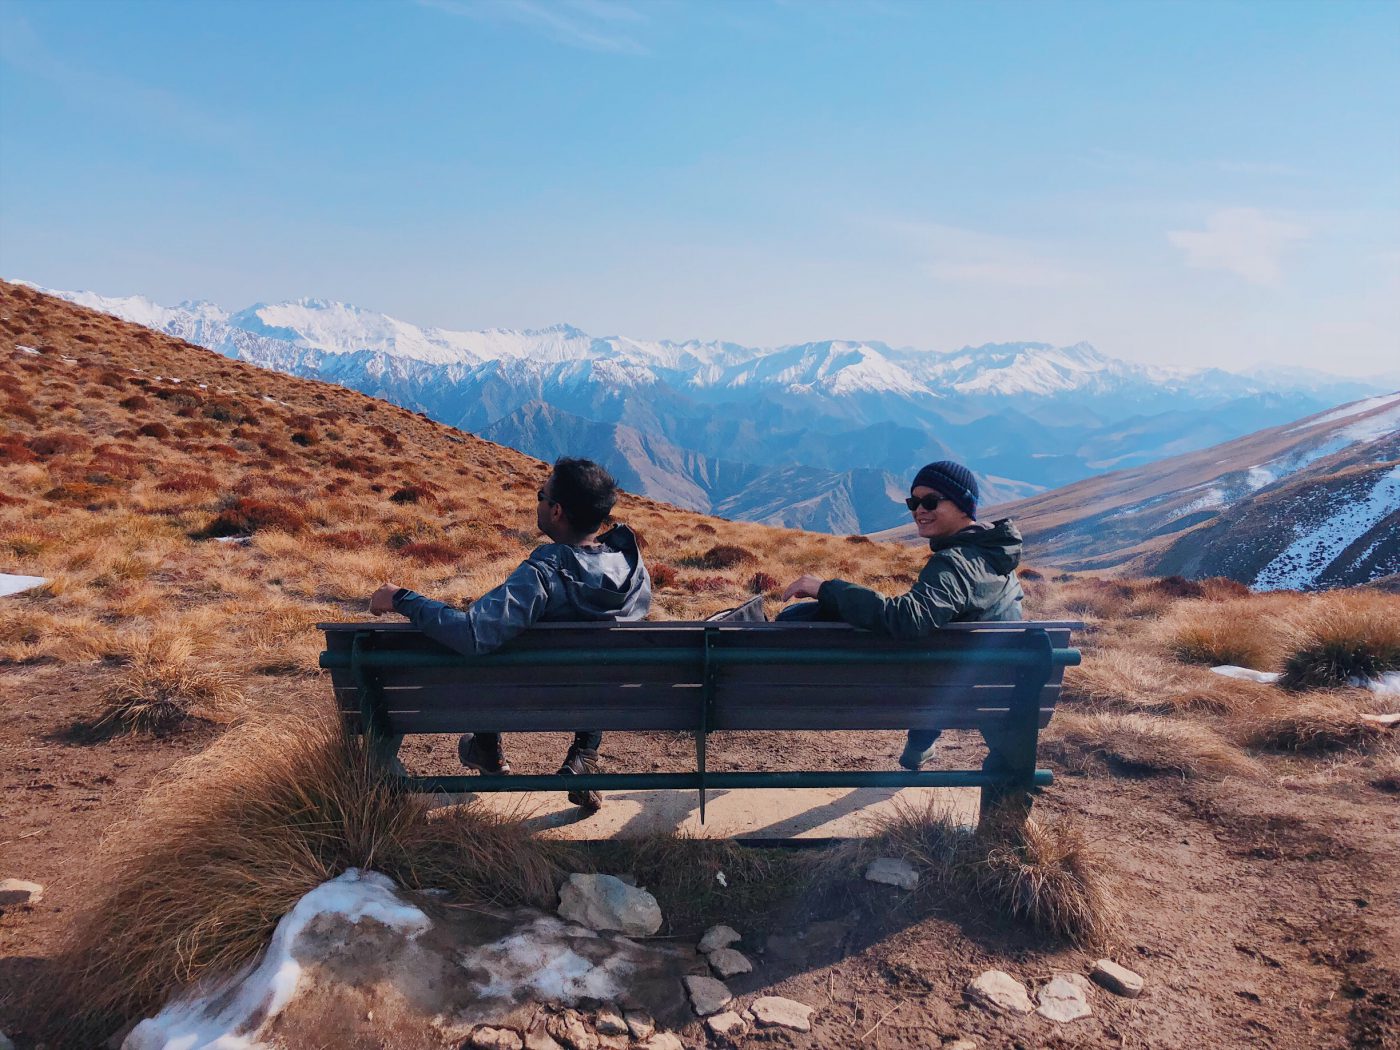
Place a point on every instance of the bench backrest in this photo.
(710, 676)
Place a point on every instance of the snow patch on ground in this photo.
(19, 584)
(27, 350)
(1387, 684)
(1248, 674)
(1300, 564)
(231, 1013)
(1356, 408)
(538, 959)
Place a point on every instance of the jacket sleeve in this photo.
(493, 619)
(938, 596)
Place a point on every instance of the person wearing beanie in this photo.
(970, 575)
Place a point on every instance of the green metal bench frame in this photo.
(999, 678)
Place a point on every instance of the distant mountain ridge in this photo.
(1310, 504)
(673, 416)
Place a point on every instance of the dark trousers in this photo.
(807, 612)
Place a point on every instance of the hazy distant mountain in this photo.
(1314, 503)
(706, 424)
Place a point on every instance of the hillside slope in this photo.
(1314, 503)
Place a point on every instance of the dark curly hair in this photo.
(584, 490)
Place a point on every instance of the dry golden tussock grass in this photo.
(166, 680)
(1137, 743)
(1332, 720)
(1341, 636)
(197, 879)
(1045, 875)
(1131, 680)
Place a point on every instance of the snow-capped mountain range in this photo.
(714, 425)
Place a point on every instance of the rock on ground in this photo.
(603, 902)
(707, 995)
(774, 1010)
(17, 891)
(663, 1041)
(572, 1030)
(538, 1038)
(959, 1044)
(1117, 979)
(487, 1038)
(727, 1024)
(640, 1024)
(892, 871)
(718, 937)
(727, 962)
(1064, 998)
(1000, 993)
(610, 1022)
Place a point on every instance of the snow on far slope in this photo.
(1356, 408)
(1302, 562)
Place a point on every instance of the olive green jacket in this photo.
(971, 575)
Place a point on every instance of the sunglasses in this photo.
(542, 498)
(927, 502)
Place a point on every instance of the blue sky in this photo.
(1180, 183)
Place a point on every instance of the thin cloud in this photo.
(589, 25)
(964, 256)
(1242, 241)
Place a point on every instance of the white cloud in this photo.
(1241, 241)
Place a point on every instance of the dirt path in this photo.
(1261, 914)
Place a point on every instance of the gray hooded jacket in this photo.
(605, 581)
(971, 575)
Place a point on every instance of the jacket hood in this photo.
(999, 543)
(606, 580)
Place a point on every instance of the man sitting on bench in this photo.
(580, 575)
(971, 575)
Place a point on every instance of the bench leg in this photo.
(1010, 802)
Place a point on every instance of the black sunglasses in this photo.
(927, 502)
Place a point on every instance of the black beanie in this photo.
(953, 480)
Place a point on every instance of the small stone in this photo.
(1065, 997)
(602, 902)
(17, 891)
(538, 1038)
(610, 1022)
(774, 1010)
(727, 1024)
(999, 992)
(639, 1023)
(959, 1044)
(663, 1041)
(487, 1038)
(728, 963)
(613, 1042)
(892, 871)
(718, 937)
(707, 995)
(572, 1030)
(1117, 979)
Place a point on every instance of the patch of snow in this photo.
(538, 960)
(1387, 684)
(229, 1014)
(27, 350)
(1353, 409)
(1249, 674)
(19, 584)
(1304, 560)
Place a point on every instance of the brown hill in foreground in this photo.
(195, 516)
(1310, 504)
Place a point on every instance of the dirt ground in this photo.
(1261, 914)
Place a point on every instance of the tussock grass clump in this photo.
(1044, 875)
(1214, 636)
(245, 515)
(196, 881)
(1347, 635)
(1131, 680)
(725, 556)
(166, 682)
(1325, 721)
(1140, 743)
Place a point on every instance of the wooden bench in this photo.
(1001, 679)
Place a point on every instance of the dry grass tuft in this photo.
(1127, 679)
(1140, 743)
(1347, 635)
(1044, 875)
(166, 682)
(1215, 634)
(1325, 721)
(244, 516)
(195, 882)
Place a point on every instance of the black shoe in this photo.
(581, 760)
(913, 757)
(482, 757)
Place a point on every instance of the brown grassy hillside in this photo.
(195, 516)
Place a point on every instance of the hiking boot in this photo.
(484, 756)
(915, 755)
(581, 760)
